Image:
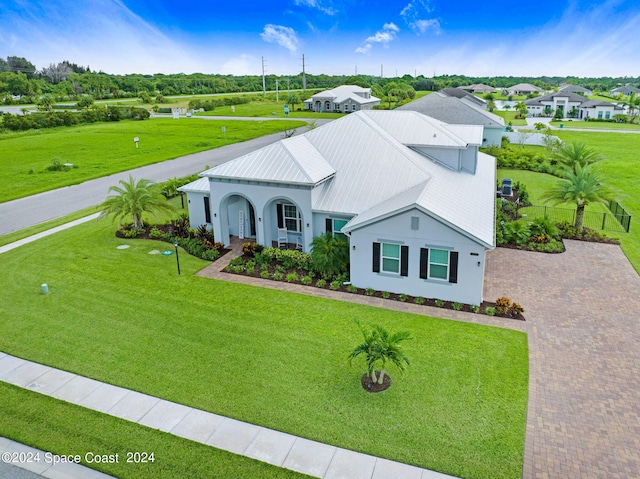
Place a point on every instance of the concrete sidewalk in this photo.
(266, 445)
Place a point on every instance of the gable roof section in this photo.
(595, 103)
(345, 92)
(574, 89)
(459, 93)
(524, 87)
(453, 110)
(573, 97)
(464, 202)
(413, 129)
(294, 161)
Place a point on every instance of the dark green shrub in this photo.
(369, 291)
(352, 289)
(335, 285)
(419, 300)
(321, 283)
(306, 280)
(292, 278)
(386, 294)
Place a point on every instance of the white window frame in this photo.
(393, 258)
(287, 219)
(430, 263)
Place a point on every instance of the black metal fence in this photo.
(596, 221)
(621, 214)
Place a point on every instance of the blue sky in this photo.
(541, 37)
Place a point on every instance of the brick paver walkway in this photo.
(583, 308)
(583, 323)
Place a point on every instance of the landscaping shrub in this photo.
(321, 283)
(335, 285)
(439, 303)
(369, 291)
(264, 274)
(277, 276)
(386, 294)
(306, 280)
(457, 306)
(419, 300)
(330, 254)
(402, 297)
(292, 278)
(490, 311)
(352, 289)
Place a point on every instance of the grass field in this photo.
(596, 125)
(65, 429)
(271, 358)
(269, 109)
(102, 149)
(510, 116)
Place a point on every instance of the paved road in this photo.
(24, 212)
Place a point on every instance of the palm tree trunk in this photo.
(579, 217)
(381, 377)
(373, 375)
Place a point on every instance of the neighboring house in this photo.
(523, 89)
(413, 195)
(342, 99)
(572, 105)
(459, 111)
(625, 90)
(478, 88)
(580, 90)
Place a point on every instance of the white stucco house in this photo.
(459, 111)
(413, 195)
(342, 99)
(523, 89)
(572, 105)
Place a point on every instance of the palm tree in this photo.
(133, 198)
(381, 348)
(581, 185)
(576, 153)
(330, 254)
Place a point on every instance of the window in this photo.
(391, 258)
(439, 264)
(337, 226)
(207, 210)
(353, 107)
(600, 115)
(607, 115)
(289, 217)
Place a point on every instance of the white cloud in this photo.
(283, 36)
(384, 36)
(423, 26)
(416, 9)
(364, 49)
(317, 5)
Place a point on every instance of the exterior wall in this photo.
(493, 136)
(431, 234)
(319, 221)
(195, 205)
(602, 110)
(263, 197)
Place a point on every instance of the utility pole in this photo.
(304, 77)
(276, 90)
(264, 84)
(381, 71)
(356, 70)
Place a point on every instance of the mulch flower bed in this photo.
(346, 288)
(373, 387)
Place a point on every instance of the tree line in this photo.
(21, 82)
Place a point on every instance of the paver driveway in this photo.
(583, 311)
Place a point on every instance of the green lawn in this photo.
(102, 149)
(510, 116)
(267, 109)
(272, 358)
(596, 125)
(65, 429)
(621, 172)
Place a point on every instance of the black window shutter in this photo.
(376, 257)
(328, 225)
(424, 263)
(453, 267)
(280, 215)
(207, 210)
(404, 261)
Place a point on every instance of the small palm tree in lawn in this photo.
(581, 185)
(133, 198)
(381, 348)
(574, 153)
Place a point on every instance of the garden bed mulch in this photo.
(346, 288)
(145, 233)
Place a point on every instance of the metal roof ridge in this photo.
(392, 140)
(298, 164)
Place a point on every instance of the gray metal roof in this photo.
(201, 185)
(460, 93)
(595, 103)
(360, 165)
(574, 97)
(453, 110)
(574, 89)
(524, 87)
(294, 161)
(463, 201)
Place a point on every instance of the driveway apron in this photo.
(583, 310)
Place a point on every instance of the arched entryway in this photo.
(285, 214)
(238, 217)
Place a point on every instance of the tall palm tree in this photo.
(581, 185)
(381, 348)
(575, 153)
(133, 198)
